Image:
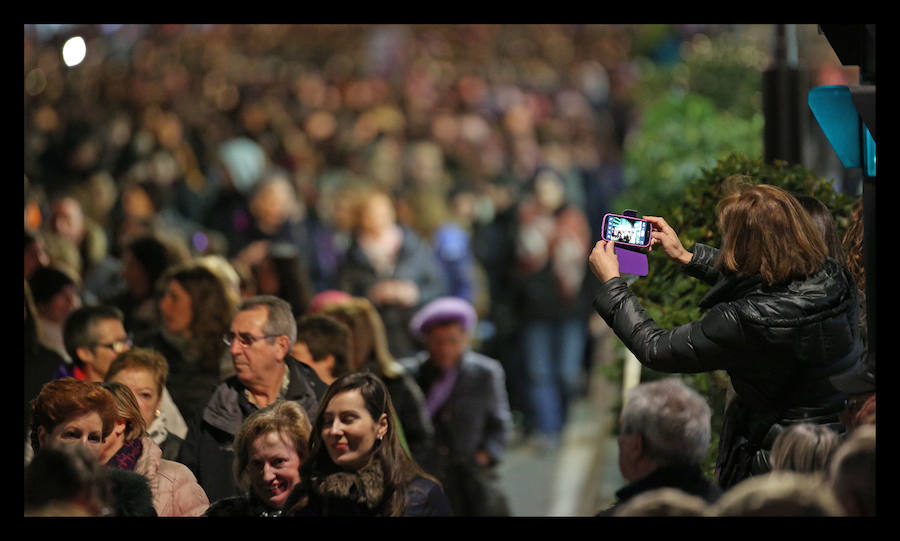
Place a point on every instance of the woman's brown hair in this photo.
(127, 409)
(211, 308)
(853, 246)
(143, 359)
(62, 399)
(368, 336)
(766, 233)
(286, 418)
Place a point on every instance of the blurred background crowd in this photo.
(261, 148)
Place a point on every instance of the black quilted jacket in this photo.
(779, 344)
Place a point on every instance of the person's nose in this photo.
(268, 473)
(235, 347)
(337, 428)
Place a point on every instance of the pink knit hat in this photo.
(330, 296)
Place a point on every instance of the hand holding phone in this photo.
(666, 238)
(626, 230)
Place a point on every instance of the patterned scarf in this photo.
(126, 458)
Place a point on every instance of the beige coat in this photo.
(176, 492)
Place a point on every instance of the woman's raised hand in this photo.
(667, 239)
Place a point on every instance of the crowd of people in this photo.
(264, 278)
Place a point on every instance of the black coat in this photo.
(688, 478)
(208, 449)
(191, 384)
(779, 344)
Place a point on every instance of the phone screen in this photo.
(627, 230)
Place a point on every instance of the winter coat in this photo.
(361, 494)
(189, 384)
(548, 279)
(208, 449)
(175, 489)
(131, 494)
(415, 262)
(476, 415)
(779, 344)
(687, 478)
(246, 505)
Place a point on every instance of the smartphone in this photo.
(626, 230)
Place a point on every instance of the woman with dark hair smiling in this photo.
(357, 466)
(781, 319)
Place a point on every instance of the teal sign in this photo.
(838, 117)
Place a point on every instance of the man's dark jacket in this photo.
(208, 449)
(687, 478)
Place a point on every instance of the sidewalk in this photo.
(578, 479)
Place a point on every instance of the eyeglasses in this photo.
(244, 339)
(118, 346)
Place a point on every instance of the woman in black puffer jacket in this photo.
(781, 319)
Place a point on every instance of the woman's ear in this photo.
(381, 430)
(41, 436)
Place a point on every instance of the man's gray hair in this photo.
(673, 419)
(280, 317)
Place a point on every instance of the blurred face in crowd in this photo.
(377, 215)
(176, 309)
(110, 339)
(67, 219)
(35, 257)
(135, 276)
(86, 429)
(136, 203)
(549, 191)
(58, 308)
(267, 282)
(273, 468)
(257, 360)
(272, 205)
(446, 344)
(143, 385)
(349, 431)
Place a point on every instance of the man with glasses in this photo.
(93, 336)
(259, 340)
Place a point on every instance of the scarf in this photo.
(126, 457)
(363, 487)
(157, 430)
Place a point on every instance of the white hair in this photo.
(673, 419)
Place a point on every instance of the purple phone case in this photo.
(631, 262)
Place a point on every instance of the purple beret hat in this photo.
(443, 310)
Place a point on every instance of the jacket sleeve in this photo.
(702, 265)
(499, 416)
(190, 498)
(700, 346)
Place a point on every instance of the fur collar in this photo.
(364, 486)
